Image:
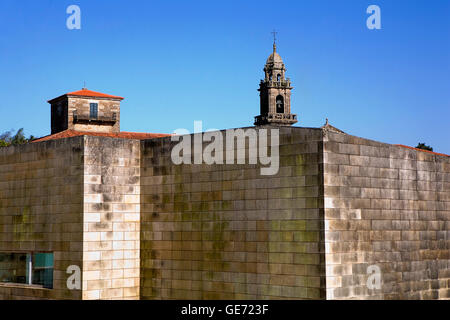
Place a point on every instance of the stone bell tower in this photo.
(275, 93)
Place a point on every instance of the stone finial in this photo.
(328, 127)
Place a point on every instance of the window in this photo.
(14, 267)
(278, 77)
(94, 111)
(43, 269)
(280, 104)
(27, 268)
(59, 110)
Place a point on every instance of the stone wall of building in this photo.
(79, 199)
(41, 210)
(63, 108)
(111, 238)
(226, 231)
(106, 109)
(59, 115)
(141, 227)
(386, 206)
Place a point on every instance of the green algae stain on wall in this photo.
(213, 254)
(218, 239)
(23, 225)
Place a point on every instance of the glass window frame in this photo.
(93, 110)
(30, 268)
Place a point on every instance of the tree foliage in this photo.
(8, 138)
(423, 146)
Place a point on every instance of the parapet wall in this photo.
(226, 231)
(41, 210)
(389, 207)
(111, 237)
(141, 227)
(77, 198)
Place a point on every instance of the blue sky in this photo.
(180, 61)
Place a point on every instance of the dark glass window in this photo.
(43, 269)
(280, 104)
(27, 268)
(94, 111)
(13, 268)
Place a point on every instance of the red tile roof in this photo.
(120, 135)
(439, 154)
(89, 94)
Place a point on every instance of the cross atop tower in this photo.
(274, 32)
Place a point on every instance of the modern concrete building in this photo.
(340, 213)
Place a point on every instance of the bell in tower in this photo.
(275, 93)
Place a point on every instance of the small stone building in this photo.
(112, 209)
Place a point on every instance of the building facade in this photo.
(113, 205)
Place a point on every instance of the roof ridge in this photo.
(88, 93)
